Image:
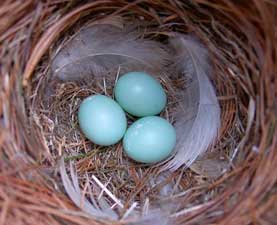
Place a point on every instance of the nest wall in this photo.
(241, 39)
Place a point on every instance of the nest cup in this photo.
(234, 183)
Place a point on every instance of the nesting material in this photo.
(99, 50)
(50, 172)
(102, 50)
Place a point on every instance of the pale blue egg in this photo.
(102, 120)
(140, 94)
(149, 139)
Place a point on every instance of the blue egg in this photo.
(149, 139)
(140, 94)
(102, 120)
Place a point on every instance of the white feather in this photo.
(198, 120)
(73, 190)
(100, 48)
(159, 215)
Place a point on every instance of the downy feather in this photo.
(73, 190)
(198, 120)
(101, 48)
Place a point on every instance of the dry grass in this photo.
(38, 116)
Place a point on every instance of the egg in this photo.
(149, 139)
(102, 120)
(140, 94)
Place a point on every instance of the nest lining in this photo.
(56, 105)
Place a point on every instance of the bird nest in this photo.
(51, 174)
